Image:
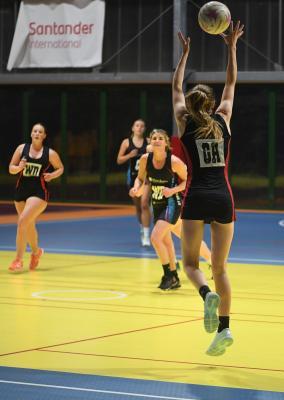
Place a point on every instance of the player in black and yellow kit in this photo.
(206, 138)
(162, 170)
(131, 150)
(31, 162)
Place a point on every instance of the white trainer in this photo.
(211, 303)
(221, 341)
(145, 241)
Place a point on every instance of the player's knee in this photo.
(190, 266)
(155, 239)
(219, 269)
(23, 222)
(144, 206)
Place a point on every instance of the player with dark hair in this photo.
(131, 150)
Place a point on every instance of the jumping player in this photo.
(31, 162)
(131, 150)
(206, 137)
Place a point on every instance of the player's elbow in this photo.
(12, 170)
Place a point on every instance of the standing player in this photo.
(131, 150)
(206, 137)
(31, 162)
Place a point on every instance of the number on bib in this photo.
(157, 192)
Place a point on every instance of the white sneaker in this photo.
(211, 303)
(222, 340)
(145, 241)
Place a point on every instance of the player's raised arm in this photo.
(178, 98)
(226, 105)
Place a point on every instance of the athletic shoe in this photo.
(169, 282)
(221, 341)
(35, 259)
(211, 303)
(141, 232)
(176, 284)
(16, 266)
(145, 241)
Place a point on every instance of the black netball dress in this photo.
(208, 194)
(31, 182)
(133, 167)
(167, 209)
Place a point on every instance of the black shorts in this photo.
(23, 195)
(169, 212)
(209, 207)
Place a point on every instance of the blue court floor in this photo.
(45, 385)
(258, 238)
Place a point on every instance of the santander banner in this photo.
(58, 34)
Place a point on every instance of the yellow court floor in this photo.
(105, 316)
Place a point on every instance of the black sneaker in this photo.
(169, 282)
(176, 283)
(163, 280)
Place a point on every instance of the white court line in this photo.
(84, 219)
(62, 221)
(93, 252)
(243, 260)
(41, 295)
(148, 396)
(149, 254)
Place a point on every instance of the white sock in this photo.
(146, 232)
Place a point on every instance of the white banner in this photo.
(58, 34)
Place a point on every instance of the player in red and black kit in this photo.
(131, 150)
(206, 138)
(31, 162)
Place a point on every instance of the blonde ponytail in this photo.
(200, 103)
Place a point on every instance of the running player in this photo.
(131, 150)
(162, 169)
(206, 137)
(31, 162)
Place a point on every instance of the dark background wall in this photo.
(91, 157)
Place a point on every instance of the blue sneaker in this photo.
(211, 303)
(221, 341)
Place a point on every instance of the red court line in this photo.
(165, 361)
(103, 337)
(136, 313)
(257, 321)
(95, 309)
(126, 306)
(257, 298)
